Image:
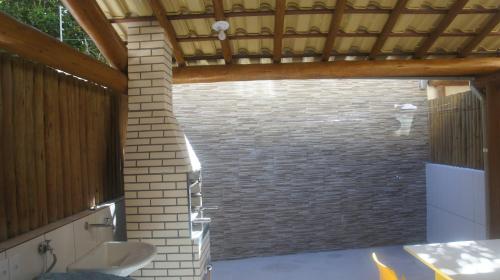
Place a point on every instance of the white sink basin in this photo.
(117, 258)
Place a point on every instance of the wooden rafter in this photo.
(443, 24)
(382, 36)
(164, 22)
(26, 41)
(338, 69)
(334, 28)
(91, 18)
(219, 15)
(279, 25)
(485, 31)
(389, 25)
(348, 10)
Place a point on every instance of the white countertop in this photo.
(464, 260)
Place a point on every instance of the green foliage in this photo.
(44, 15)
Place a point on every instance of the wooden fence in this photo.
(456, 136)
(60, 145)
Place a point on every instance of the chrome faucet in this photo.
(203, 208)
(108, 222)
(201, 220)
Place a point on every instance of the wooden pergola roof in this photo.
(280, 39)
(267, 31)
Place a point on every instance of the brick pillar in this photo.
(156, 161)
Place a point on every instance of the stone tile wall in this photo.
(309, 165)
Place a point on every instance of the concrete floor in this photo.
(353, 264)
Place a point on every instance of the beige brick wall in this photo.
(156, 162)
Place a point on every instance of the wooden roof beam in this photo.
(161, 16)
(340, 7)
(485, 31)
(219, 15)
(279, 26)
(389, 25)
(91, 18)
(30, 43)
(339, 69)
(443, 24)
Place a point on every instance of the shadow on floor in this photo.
(355, 264)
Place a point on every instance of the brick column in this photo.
(156, 161)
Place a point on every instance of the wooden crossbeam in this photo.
(338, 69)
(389, 25)
(334, 28)
(443, 24)
(219, 15)
(164, 22)
(91, 18)
(30, 43)
(348, 10)
(279, 25)
(485, 31)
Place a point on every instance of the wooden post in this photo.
(492, 168)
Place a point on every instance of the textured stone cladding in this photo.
(157, 163)
(309, 165)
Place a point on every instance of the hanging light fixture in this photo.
(220, 27)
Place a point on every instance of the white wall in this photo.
(456, 208)
(70, 242)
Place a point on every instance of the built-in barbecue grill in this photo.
(199, 223)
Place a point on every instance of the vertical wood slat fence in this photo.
(61, 142)
(456, 136)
